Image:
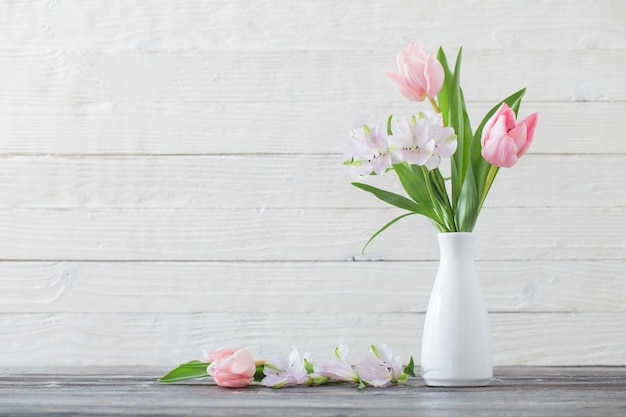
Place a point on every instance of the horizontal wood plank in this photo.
(283, 24)
(102, 390)
(82, 76)
(300, 234)
(302, 287)
(279, 181)
(321, 127)
(63, 339)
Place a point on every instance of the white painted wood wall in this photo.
(171, 179)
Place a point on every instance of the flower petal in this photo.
(499, 129)
(501, 152)
(242, 362)
(337, 367)
(531, 124)
(218, 354)
(414, 75)
(434, 75)
(518, 134)
(492, 121)
(433, 162)
(401, 85)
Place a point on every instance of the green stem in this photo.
(434, 104)
(449, 212)
(435, 203)
(493, 171)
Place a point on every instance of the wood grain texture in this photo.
(243, 24)
(87, 339)
(65, 76)
(534, 392)
(181, 128)
(528, 391)
(279, 181)
(302, 287)
(300, 234)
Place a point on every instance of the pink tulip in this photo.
(218, 354)
(420, 75)
(504, 140)
(231, 367)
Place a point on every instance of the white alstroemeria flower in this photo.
(410, 141)
(337, 367)
(286, 371)
(367, 152)
(380, 368)
(444, 139)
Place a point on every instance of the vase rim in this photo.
(456, 237)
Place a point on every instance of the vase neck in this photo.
(456, 246)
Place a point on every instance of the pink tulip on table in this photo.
(420, 75)
(504, 140)
(219, 354)
(231, 367)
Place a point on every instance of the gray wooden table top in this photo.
(515, 391)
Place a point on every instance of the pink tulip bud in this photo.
(231, 367)
(420, 76)
(504, 140)
(219, 354)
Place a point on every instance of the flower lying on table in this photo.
(235, 368)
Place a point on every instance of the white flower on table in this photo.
(286, 371)
(338, 368)
(380, 368)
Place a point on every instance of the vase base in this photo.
(457, 382)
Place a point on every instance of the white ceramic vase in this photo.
(456, 345)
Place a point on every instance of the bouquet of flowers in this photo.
(414, 146)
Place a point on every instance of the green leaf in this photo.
(443, 97)
(259, 374)
(442, 194)
(416, 186)
(361, 384)
(466, 211)
(413, 184)
(515, 100)
(389, 132)
(189, 370)
(410, 368)
(382, 229)
(412, 179)
(390, 198)
(319, 380)
(310, 368)
(455, 176)
(468, 136)
(456, 118)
